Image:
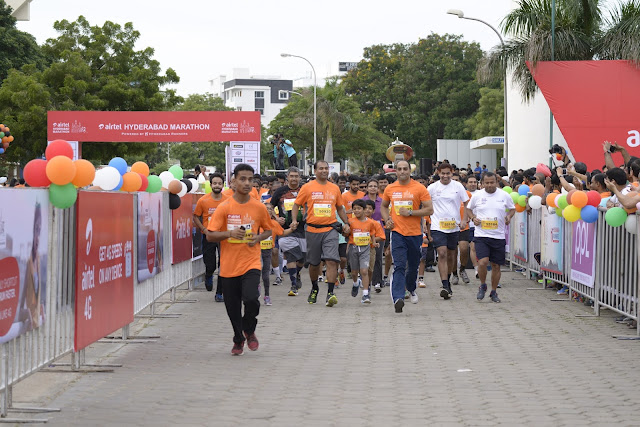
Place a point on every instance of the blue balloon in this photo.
(523, 190)
(589, 214)
(120, 164)
(1, 150)
(119, 186)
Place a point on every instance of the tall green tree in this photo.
(488, 120)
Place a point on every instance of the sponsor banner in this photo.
(519, 239)
(104, 265)
(242, 152)
(181, 231)
(197, 234)
(583, 253)
(551, 250)
(24, 231)
(150, 234)
(153, 126)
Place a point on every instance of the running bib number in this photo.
(247, 234)
(322, 210)
(361, 239)
(288, 204)
(447, 224)
(489, 224)
(267, 243)
(397, 204)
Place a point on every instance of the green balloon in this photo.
(559, 212)
(562, 202)
(615, 217)
(155, 184)
(176, 171)
(508, 189)
(1, 134)
(522, 200)
(63, 196)
(514, 197)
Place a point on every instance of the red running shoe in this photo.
(238, 349)
(252, 341)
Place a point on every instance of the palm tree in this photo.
(582, 32)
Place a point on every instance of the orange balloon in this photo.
(131, 182)
(579, 199)
(551, 200)
(538, 190)
(520, 208)
(61, 170)
(141, 168)
(5, 139)
(7, 129)
(175, 187)
(85, 172)
(11, 138)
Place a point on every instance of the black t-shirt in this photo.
(285, 196)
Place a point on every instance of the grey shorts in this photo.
(322, 247)
(294, 248)
(359, 257)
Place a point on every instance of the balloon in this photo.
(1, 150)
(615, 217)
(207, 187)
(174, 187)
(166, 177)
(589, 214)
(508, 189)
(559, 212)
(145, 182)
(176, 171)
(551, 197)
(593, 198)
(520, 208)
(61, 170)
(535, 202)
(120, 164)
(131, 182)
(579, 199)
(183, 189)
(188, 184)
(107, 178)
(523, 190)
(85, 173)
(543, 169)
(522, 201)
(63, 196)
(174, 201)
(631, 224)
(514, 197)
(561, 201)
(141, 168)
(1, 134)
(571, 213)
(120, 183)
(538, 190)
(194, 185)
(570, 195)
(638, 206)
(551, 210)
(35, 173)
(58, 147)
(155, 184)
(11, 138)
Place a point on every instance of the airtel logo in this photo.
(634, 138)
(88, 234)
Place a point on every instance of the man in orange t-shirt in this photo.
(321, 200)
(409, 202)
(205, 208)
(229, 191)
(235, 224)
(353, 194)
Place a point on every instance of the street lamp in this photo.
(294, 92)
(315, 121)
(460, 14)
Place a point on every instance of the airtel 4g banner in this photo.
(181, 230)
(593, 102)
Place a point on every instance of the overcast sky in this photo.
(201, 39)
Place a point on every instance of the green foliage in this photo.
(489, 119)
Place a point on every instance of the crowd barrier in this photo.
(30, 351)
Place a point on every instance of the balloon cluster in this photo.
(5, 137)
(60, 173)
(174, 181)
(117, 176)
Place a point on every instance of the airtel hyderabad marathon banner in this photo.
(150, 232)
(551, 250)
(181, 231)
(583, 253)
(518, 243)
(153, 126)
(197, 234)
(104, 265)
(24, 219)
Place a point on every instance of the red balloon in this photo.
(59, 147)
(145, 182)
(593, 198)
(570, 195)
(35, 173)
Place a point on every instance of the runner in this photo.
(375, 259)
(353, 194)
(462, 256)
(266, 247)
(373, 196)
(362, 235)
(205, 208)
(446, 222)
(235, 224)
(411, 201)
(383, 182)
(321, 199)
(472, 187)
(487, 209)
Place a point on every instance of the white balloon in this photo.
(631, 224)
(184, 189)
(552, 211)
(535, 202)
(166, 177)
(194, 185)
(107, 178)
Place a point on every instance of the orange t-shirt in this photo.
(349, 198)
(362, 232)
(462, 209)
(605, 194)
(409, 196)
(320, 202)
(236, 257)
(206, 206)
(379, 231)
(253, 193)
(276, 230)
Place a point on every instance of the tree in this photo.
(582, 32)
(489, 118)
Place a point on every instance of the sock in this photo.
(385, 277)
(421, 278)
(314, 285)
(355, 284)
(455, 273)
(445, 283)
(365, 292)
(292, 276)
(276, 270)
(475, 269)
(331, 286)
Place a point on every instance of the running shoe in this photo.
(278, 281)
(399, 304)
(341, 277)
(414, 297)
(499, 286)
(354, 290)
(378, 288)
(464, 276)
(332, 299)
(252, 341)
(406, 294)
(454, 279)
(421, 283)
(494, 296)
(285, 269)
(366, 299)
(385, 281)
(208, 283)
(321, 278)
(267, 300)
(563, 291)
(219, 298)
(430, 269)
(238, 349)
(313, 297)
(293, 292)
(482, 289)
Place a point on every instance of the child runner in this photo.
(362, 229)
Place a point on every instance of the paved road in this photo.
(526, 361)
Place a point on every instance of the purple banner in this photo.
(583, 253)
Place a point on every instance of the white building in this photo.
(20, 8)
(243, 92)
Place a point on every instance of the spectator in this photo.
(478, 169)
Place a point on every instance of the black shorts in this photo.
(472, 232)
(342, 250)
(494, 249)
(450, 240)
(387, 237)
(465, 236)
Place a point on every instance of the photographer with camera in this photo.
(285, 147)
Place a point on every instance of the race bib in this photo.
(361, 239)
(267, 243)
(288, 204)
(322, 210)
(397, 204)
(447, 224)
(276, 210)
(489, 224)
(247, 234)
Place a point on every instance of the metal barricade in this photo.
(533, 241)
(563, 279)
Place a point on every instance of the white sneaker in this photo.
(414, 297)
(421, 284)
(320, 278)
(454, 279)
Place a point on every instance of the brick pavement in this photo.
(526, 361)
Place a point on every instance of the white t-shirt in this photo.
(473, 193)
(446, 205)
(491, 209)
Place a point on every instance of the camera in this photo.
(613, 149)
(555, 149)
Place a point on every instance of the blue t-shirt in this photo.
(288, 149)
(478, 170)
